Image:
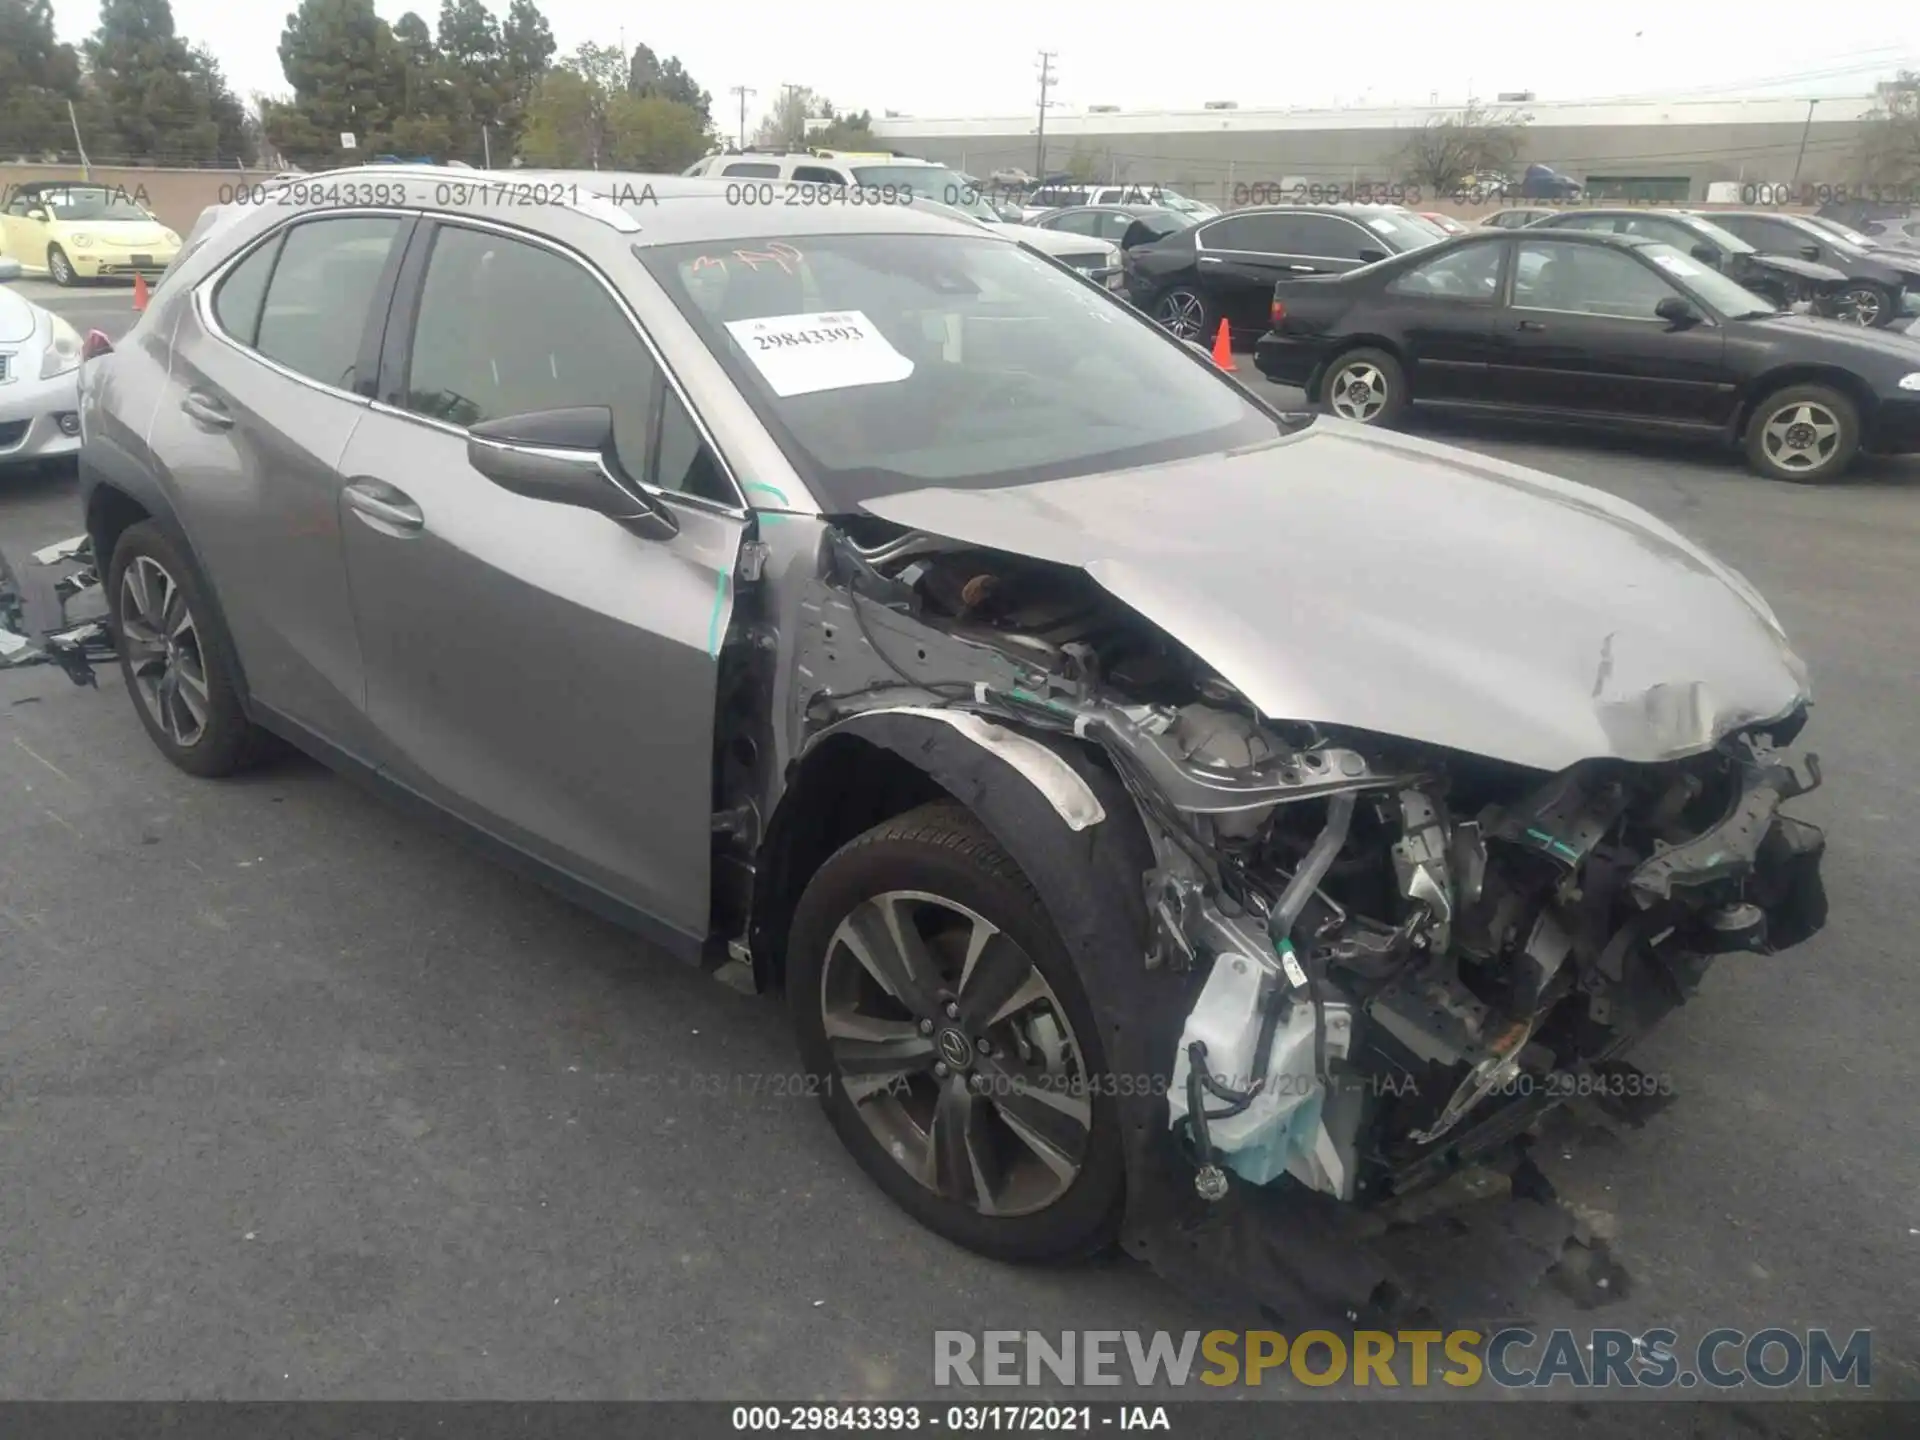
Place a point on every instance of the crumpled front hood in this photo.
(1355, 577)
(1793, 265)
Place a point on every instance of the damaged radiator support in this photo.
(36, 626)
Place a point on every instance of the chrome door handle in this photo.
(1211, 260)
(206, 410)
(1306, 269)
(397, 512)
(1532, 326)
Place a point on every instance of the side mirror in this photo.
(1706, 254)
(1812, 252)
(1369, 257)
(9, 269)
(1677, 312)
(565, 458)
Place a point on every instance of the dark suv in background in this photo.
(1881, 284)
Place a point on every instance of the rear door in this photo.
(1580, 336)
(537, 669)
(271, 369)
(1244, 254)
(1443, 311)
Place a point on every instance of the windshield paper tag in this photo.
(802, 354)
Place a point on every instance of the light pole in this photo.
(1805, 130)
(743, 91)
(1047, 57)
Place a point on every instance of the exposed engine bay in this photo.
(1397, 956)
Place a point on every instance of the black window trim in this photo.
(396, 352)
(1305, 212)
(378, 303)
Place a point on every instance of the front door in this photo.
(1242, 255)
(1444, 309)
(1581, 336)
(538, 669)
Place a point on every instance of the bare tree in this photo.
(1448, 148)
(1890, 137)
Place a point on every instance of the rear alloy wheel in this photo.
(1185, 313)
(1805, 433)
(1366, 386)
(943, 1024)
(176, 661)
(1867, 306)
(60, 267)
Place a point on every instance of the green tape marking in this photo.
(773, 490)
(719, 605)
(1558, 847)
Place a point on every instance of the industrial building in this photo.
(1651, 149)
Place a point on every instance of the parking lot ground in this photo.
(299, 1099)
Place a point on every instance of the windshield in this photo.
(100, 205)
(1407, 230)
(1713, 234)
(1847, 233)
(884, 363)
(1709, 284)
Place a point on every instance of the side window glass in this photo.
(1333, 239)
(1469, 273)
(1587, 280)
(1083, 224)
(236, 303)
(687, 465)
(510, 328)
(322, 288)
(753, 169)
(1113, 226)
(817, 175)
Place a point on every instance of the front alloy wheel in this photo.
(164, 656)
(60, 267)
(943, 1024)
(1804, 433)
(956, 1053)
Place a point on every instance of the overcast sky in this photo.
(978, 58)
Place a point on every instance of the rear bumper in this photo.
(1286, 359)
(39, 419)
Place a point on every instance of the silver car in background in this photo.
(1144, 798)
(39, 368)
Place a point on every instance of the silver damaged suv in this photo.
(1167, 818)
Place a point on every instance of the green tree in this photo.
(340, 59)
(648, 74)
(526, 46)
(38, 76)
(843, 132)
(472, 53)
(235, 135)
(1890, 137)
(584, 116)
(1449, 148)
(142, 73)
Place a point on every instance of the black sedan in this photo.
(1125, 225)
(1599, 329)
(1878, 281)
(1783, 279)
(1225, 268)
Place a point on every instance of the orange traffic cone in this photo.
(139, 292)
(1223, 348)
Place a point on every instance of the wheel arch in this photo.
(1773, 381)
(1316, 382)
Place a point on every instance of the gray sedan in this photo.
(1142, 796)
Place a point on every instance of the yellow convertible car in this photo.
(74, 232)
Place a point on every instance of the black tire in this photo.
(226, 741)
(1184, 307)
(1860, 295)
(1775, 457)
(1381, 376)
(942, 850)
(61, 268)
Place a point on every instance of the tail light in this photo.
(95, 345)
(1275, 314)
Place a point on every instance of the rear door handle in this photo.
(1211, 260)
(1533, 326)
(206, 410)
(383, 507)
(1304, 269)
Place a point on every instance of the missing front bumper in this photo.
(49, 618)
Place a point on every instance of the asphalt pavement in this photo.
(301, 1100)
